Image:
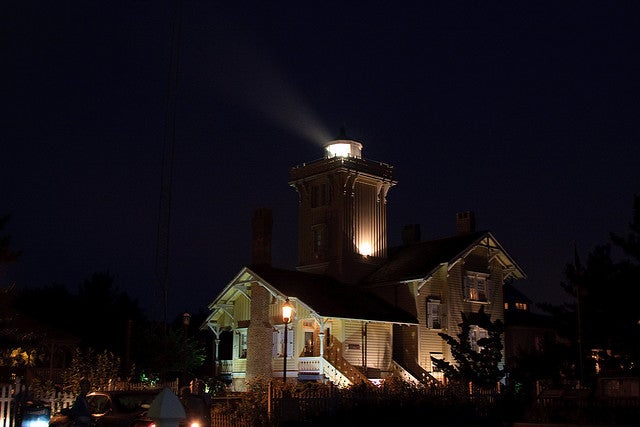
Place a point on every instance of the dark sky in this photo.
(526, 113)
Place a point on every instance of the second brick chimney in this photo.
(465, 222)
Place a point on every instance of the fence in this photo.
(383, 405)
(7, 408)
(10, 394)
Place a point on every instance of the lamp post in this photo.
(286, 318)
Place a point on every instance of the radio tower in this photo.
(164, 216)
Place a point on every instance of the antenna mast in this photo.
(164, 216)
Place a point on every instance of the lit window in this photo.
(309, 343)
(438, 356)
(477, 333)
(475, 287)
(433, 314)
(521, 306)
(242, 343)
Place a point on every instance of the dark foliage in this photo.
(604, 319)
(107, 319)
(479, 367)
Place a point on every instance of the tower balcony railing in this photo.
(379, 169)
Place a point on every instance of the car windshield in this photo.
(98, 403)
(123, 403)
(133, 402)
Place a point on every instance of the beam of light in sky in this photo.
(252, 80)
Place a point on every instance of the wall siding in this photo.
(378, 344)
(430, 341)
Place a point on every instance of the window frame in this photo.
(476, 333)
(320, 235)
(434, 305)
(278, 338)
(242, 343)
(476, 287)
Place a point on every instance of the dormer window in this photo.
(476, 287)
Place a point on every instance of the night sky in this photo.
(526, 113)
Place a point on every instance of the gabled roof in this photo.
(323, 295)
(419, 260)
(330, 298)
(513, 295)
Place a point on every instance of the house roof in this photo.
(513, 295)
(330, 298)
(419, 260)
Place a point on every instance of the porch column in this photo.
(321, 336)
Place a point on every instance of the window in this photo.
(433, 314)
(319, 240)
(521, 306)
(476, 334)
(438, 356)
(278, 342)
(308, 343)
(242, 343)
(475, 287)
(320, 195)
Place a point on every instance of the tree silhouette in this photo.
(602, 323)
(7, 255)
(482, 367)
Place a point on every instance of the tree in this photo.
(483, 366)
(602, 322)
(98, 367)
(7, 255)
(168, 353)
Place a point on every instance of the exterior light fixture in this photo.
(287, 310)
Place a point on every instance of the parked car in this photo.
(121, 408)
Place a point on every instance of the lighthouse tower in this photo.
(342, 222)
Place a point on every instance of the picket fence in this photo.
(58, 400)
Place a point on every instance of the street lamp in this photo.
(287, 309)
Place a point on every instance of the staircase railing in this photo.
(417, 375)
(340, 368)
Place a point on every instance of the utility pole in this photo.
(578, 268)
(164, 215)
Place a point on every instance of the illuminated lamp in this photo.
(287, 310)
(343, 148)
(365, 249)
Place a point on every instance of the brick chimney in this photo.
(411, 234)
(262, 224)
(465, 222)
